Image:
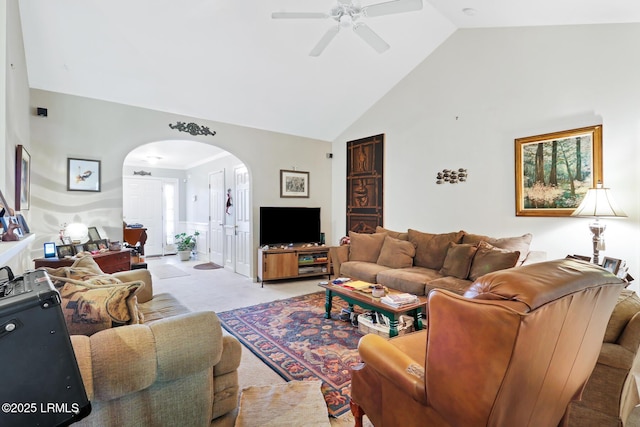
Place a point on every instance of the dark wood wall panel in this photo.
(365, 161)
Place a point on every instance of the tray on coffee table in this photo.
(369, 302)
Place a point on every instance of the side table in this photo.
(109, 262)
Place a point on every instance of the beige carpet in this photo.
(290, 404)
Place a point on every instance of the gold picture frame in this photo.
(555, 170)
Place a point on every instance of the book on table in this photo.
(399, 300)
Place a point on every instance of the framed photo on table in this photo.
(83, 175)
(294, 184)
(611, 264)
(65, 251)
(555, 170)
(23, 178)
(94, 236)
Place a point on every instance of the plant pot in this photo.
(184, 255)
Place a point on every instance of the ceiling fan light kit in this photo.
(347, 13)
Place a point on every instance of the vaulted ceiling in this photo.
(229, 61)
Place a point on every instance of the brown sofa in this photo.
(175, 368)
(417, 262)
(513, 351)
(612, 395)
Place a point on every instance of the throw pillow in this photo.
(88, 308)
(517, 243)
(396, 253)
(458, 260)
(365, 247)
(489, 258)
(431, 249)
(394, 234)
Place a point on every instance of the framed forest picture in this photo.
(555, 170)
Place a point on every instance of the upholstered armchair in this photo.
(513, 351)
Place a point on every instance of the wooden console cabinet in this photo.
(109, 262)
(293, 262)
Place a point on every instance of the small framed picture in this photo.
(294, 184)
(611, 264)
(23, 178)
(102, 244)
(66, 240)
(83, 175)
(78, 248)
(94, 236)
(65, 251)
(91, 246)
(23, 224)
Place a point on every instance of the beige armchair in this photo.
(611, 397)
(176, 369)
(513, 351)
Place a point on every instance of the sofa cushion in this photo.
(365, 247)
(489, 258)
(431, 249)
(450, 283)
(411, 280)
(365, 271)
(396, 253)
(91, 308)
(458, 260)
(627, 306)
(513, 244)
(402, 235)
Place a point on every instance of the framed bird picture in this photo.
(83, 175)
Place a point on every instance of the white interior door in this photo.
(243, 242)
(142, 204)
(216, 217)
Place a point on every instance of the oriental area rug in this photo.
(295, 340)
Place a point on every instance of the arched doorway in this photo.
(182, 186)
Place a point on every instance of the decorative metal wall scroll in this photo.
(142, 173)
(452, 176)
(365, 158)
(192, 128)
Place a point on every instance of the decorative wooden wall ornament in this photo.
(365, 159)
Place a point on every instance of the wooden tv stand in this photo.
(293, 262)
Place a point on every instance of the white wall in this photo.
(92, 129)
(465, 105)
(14, 93)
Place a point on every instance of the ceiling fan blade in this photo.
(325, 40)
(369, 36)
(298, 15)
(390, 7)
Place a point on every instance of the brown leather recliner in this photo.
(513, 351)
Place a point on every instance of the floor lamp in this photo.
(598, 203)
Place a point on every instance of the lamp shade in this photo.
(77, 231)
(598, 202)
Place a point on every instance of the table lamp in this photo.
(598, 203)
(77, 232)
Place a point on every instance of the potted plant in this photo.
(186, 243)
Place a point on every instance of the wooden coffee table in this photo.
(369, 302)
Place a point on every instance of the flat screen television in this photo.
(286, 225)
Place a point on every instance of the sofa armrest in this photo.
(146, 293)
(231, 356)
(394, 365)
(630, 337)
(338, 255)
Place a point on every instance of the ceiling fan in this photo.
(347, 13)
